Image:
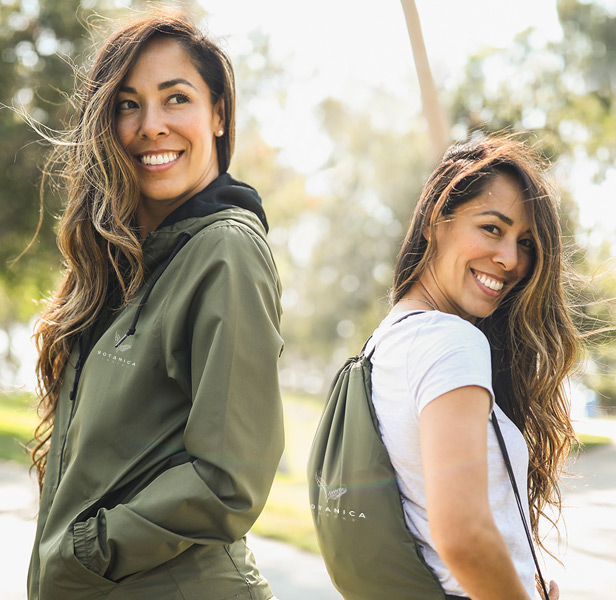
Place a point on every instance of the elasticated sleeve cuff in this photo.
(82, 541)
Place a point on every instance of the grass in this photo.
(588, 442)
(286, 515)
(17, 422)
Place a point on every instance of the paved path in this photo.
(590, 557)
(588, 544)
(293, 574)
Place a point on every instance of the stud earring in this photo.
(219, 132)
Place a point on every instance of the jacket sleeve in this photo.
(226, 310)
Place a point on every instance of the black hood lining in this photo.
(222, 193)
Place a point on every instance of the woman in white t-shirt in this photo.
(481, 266)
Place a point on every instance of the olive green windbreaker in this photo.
(164, 458)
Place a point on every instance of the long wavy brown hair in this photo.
(98, 237)
(533, 338)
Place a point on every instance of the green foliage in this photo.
(589, 442)
(563, 95)
(17, 422)
(336, 231)
(37, 40)
(42, 46)
(344, 243)
(563, 91)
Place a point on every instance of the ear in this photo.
(426, 231)
(218, 116)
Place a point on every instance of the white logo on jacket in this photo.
(122, 347)
(114, 356)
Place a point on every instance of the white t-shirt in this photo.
(417, 360)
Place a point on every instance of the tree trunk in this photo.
(438, 125)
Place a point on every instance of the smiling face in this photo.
(482, 251)
(166, 122)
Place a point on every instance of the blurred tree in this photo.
(37, 42)
(31, 33)
(41, 41)
(343, 246)
(336, 231)
(563, 93)
(565, 90)
(436, 118)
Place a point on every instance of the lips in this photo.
(495, 285)
(160, 158)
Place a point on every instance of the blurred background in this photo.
(338, 133)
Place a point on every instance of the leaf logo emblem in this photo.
(122, 347)
(331, 493)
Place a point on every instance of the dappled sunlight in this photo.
(330, 131)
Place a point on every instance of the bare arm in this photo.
(453, 433)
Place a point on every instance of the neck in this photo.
(419, 293)
(428, 288)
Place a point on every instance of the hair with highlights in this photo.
(97, 235)
(533, 339)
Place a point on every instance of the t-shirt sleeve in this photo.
(456, 354)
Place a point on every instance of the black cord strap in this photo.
(369, 355)
(133, 327)
(503, 447)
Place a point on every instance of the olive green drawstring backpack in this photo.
(355, 502)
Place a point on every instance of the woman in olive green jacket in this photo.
(161, 414)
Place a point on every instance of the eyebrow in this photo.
(161, 86)
(500, 215)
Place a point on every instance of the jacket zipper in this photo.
(72, 396)
(84, 348)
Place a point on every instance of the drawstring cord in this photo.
(85, 345)
(133, 328)
(84, 349)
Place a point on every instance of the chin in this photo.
(488, 312)
(479, 313)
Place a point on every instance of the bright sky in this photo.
(362, 40)
(340, 47)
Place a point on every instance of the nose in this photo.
(152, 123)
(507, 254)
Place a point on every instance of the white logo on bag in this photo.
(333, 494)
(330, 493)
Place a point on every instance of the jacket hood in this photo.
(222, 193)
(223, 198)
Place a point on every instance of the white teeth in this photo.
(158, 159)
(490, 283)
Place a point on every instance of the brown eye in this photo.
(178, 99)
(528, 243)
(493, 229)
(126, 105)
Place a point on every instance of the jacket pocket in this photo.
(63, 577)
(218, 572)
(78, 570)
